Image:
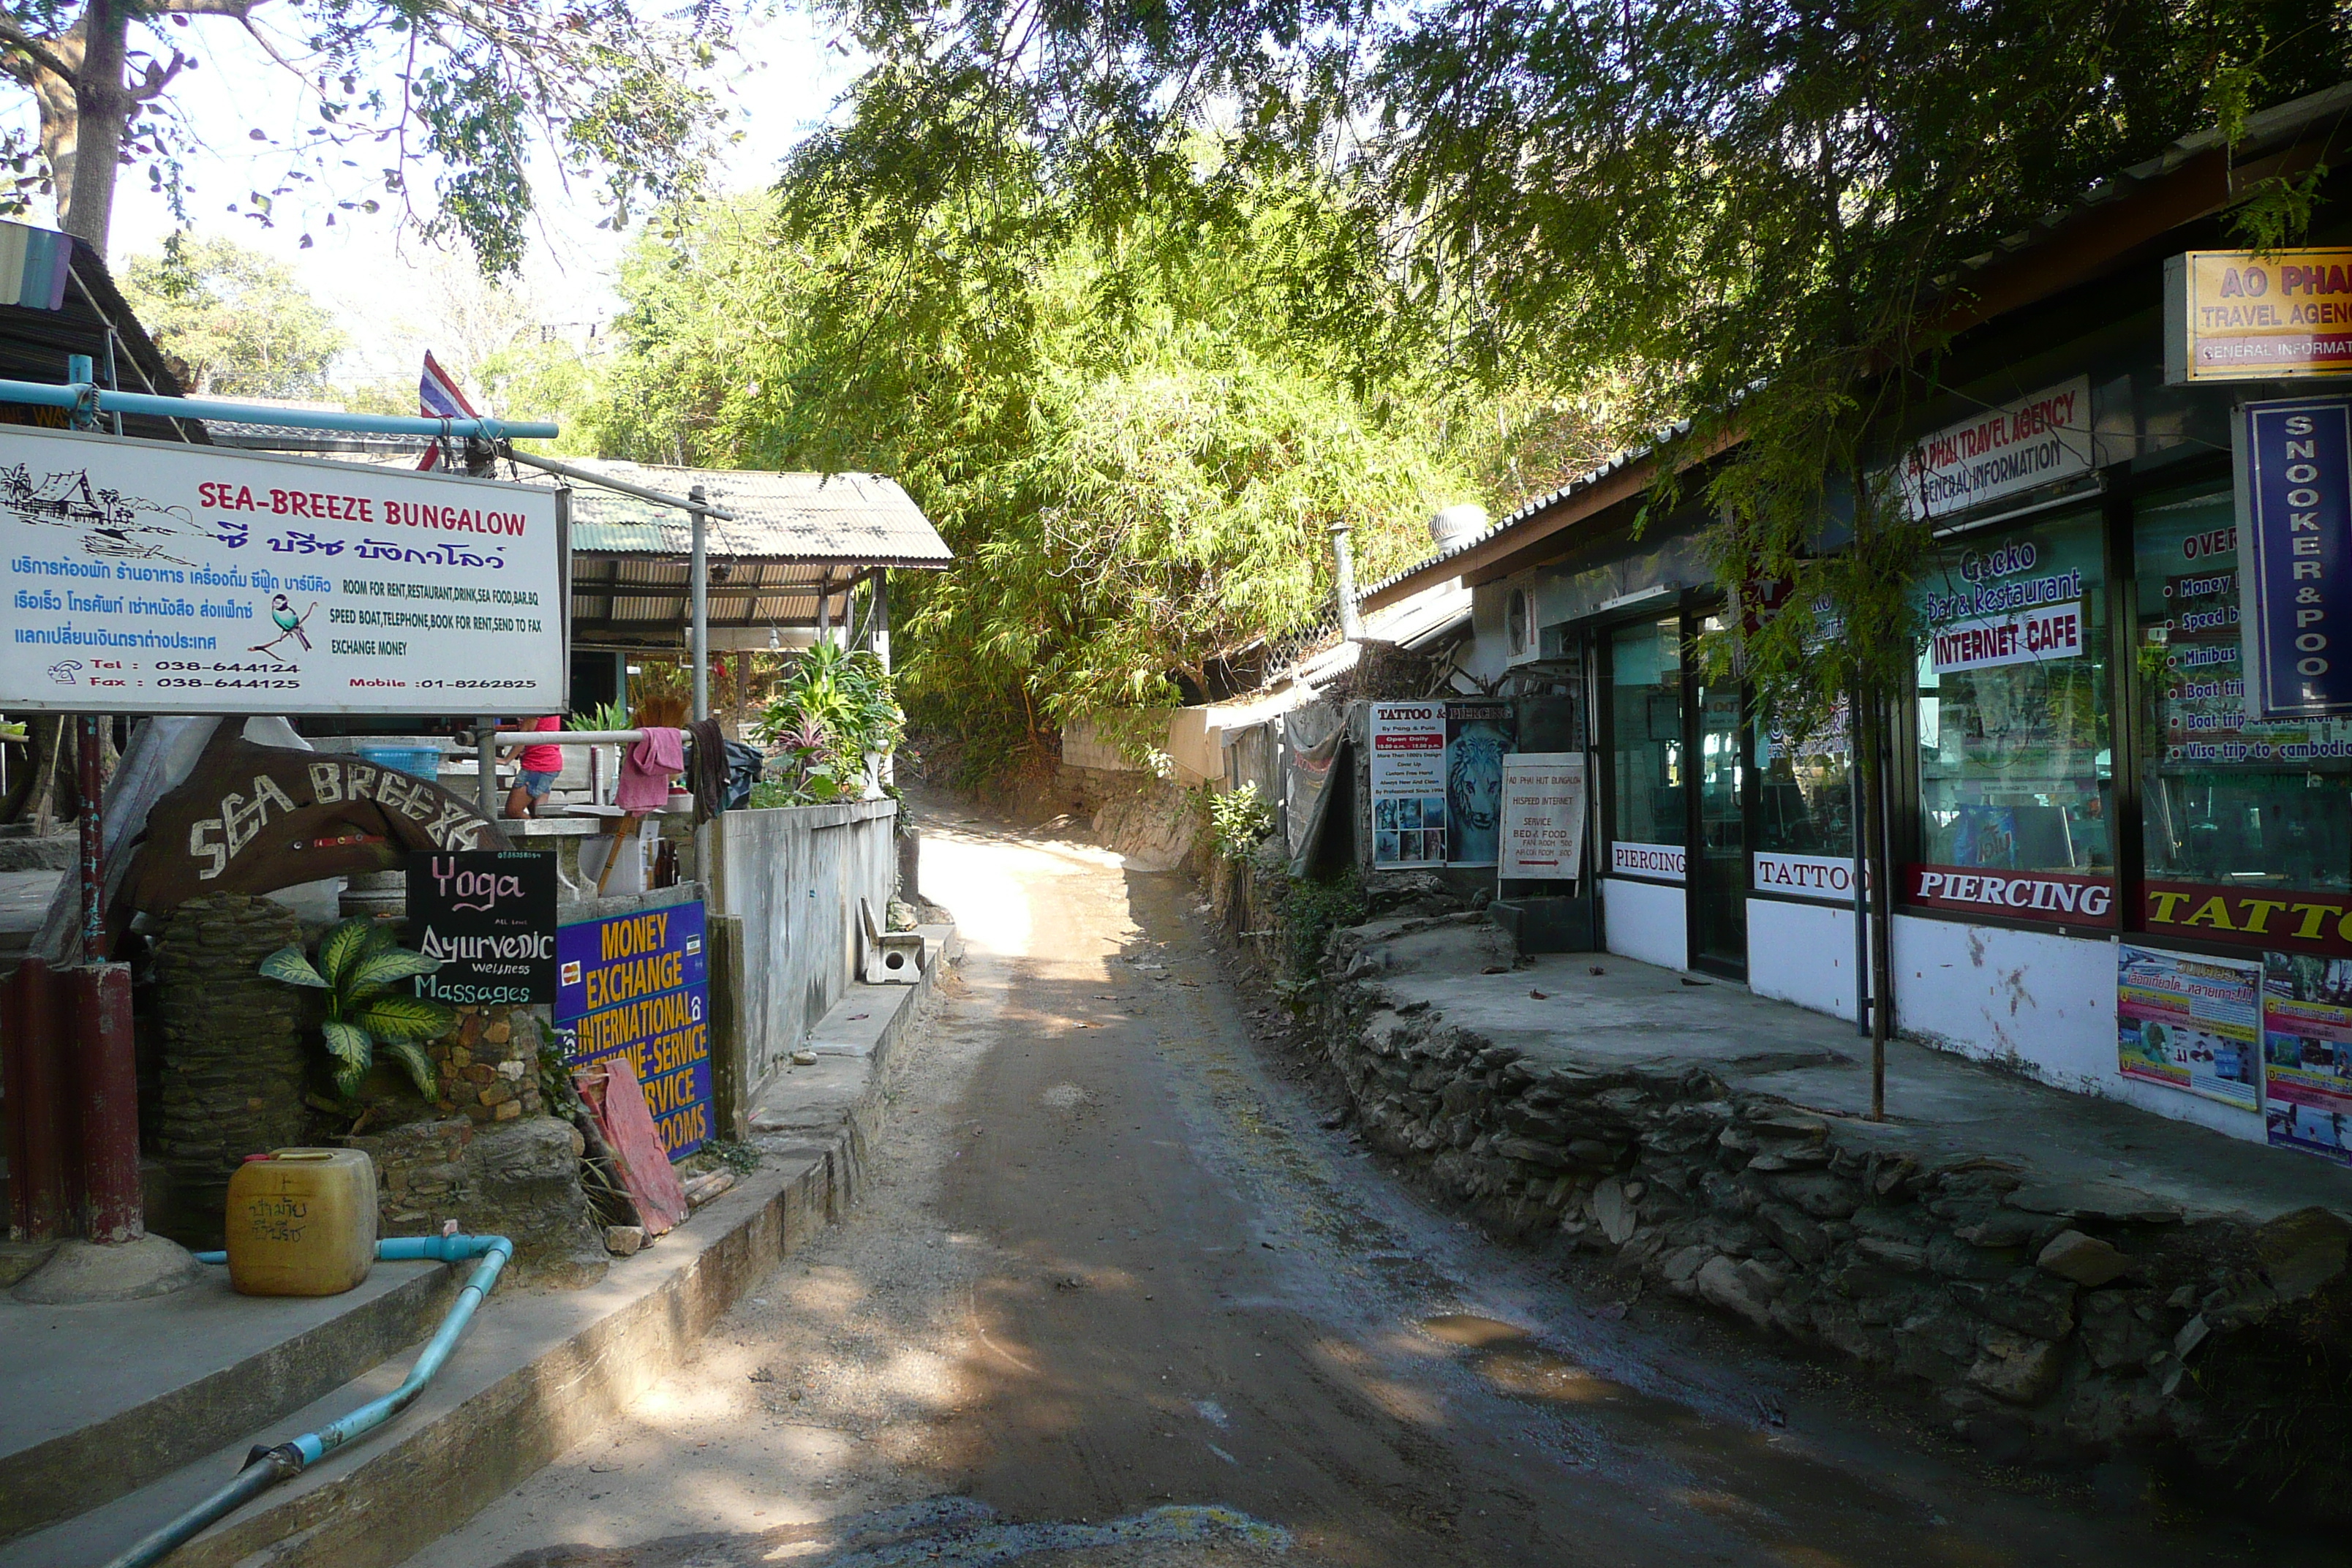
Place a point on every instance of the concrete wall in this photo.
(2041, 1002)
(1801, 954)
(793, 875)
(1647, 921)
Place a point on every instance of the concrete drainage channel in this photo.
(538, 1373)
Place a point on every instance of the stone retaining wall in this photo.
(2051, 1323)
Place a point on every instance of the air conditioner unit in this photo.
(1521, 637)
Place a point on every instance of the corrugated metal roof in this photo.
(825, 520)
(1585, 481)
(846, 520)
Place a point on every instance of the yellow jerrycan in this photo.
(301, 1222)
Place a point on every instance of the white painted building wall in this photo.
(2040, 1003)
(1647, 921)
(1803, 953)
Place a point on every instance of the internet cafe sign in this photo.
(2237, 315)
(149, 577)
(2030, 441)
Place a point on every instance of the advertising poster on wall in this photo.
(1478, 736)
(639, 984)
(1408, 767)
(2307, 1054)
(1543, 815)
(145, 577)
(2190, 1023)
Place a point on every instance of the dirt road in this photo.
(1118, 1298)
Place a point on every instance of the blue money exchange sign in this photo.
(2294, 479)
(638, 983)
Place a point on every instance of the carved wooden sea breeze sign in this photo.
(143, 577)
(252, 819)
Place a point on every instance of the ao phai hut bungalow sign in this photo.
(143, 577)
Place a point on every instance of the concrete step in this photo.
(537, 1372)
(104, 1399)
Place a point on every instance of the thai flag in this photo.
(438, 397)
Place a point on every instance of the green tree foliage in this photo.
(234, 322)
(1748, 214)
(1132, 448)
(438, 106)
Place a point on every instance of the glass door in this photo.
(1718, 870)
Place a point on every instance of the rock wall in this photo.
(487, 1067)
(519, 1178)
(235, 1047)
(2050, 1323)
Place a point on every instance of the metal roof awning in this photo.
(783, 565)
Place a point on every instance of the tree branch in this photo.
(240, 9)
(34, 49)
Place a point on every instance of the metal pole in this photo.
(93, 844)
(698, 506)
(485, 748)
(107, 1070)
(1343, 585)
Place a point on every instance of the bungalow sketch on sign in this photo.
(112, 523)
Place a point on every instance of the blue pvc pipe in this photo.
(264, 1467)
(105, 400)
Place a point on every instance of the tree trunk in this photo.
(1871, 757)
(101, 115)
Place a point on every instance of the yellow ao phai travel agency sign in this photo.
(2244, 315)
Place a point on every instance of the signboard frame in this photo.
(646, 1005)
(1408, 776)
(2042, 439)
(2241, 284)
(2294, 603)
(1558, 784)
(489, 956)
(234, 541)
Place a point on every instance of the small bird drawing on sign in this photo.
(290, 625)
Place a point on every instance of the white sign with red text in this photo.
(1805, 877)
(2032, 441)
(1543, 815)
(1659, 862)
(2051, 631)
(154, 577)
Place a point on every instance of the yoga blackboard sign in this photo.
(490, 916)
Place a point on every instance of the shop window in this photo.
(2237, 815)
(1646, 697)
(2016, 760)
(1804, 789)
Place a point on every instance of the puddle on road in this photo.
(1507, 1356)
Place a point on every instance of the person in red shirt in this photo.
(539, 764)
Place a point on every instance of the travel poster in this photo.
(1478, 736)
(2307, 1054)
(2189, 1023)
(1408, 766)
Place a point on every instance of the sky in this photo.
(387, 289)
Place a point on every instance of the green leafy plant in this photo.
(1239, 821)
(834, 708)
(612, 715)
(357, 966)
(1309, 911)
